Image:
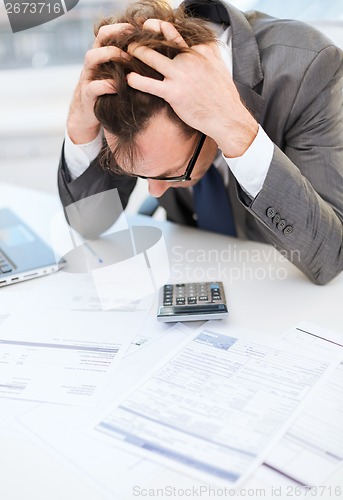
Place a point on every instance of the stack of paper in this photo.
(134, 404)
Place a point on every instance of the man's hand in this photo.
(199, 88)
(82, 124)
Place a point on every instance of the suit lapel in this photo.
(246, 63)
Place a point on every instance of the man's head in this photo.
(142, 129)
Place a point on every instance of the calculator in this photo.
(192, 302)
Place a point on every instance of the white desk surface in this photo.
(264, 293)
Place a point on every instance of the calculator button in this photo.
(167, 303)
(216, 297)
(192, 300)
(180, 301)
(180, 285)
(168, 287)
(203, 297)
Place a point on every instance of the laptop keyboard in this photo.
(5, 266)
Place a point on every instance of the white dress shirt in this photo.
(250, 169)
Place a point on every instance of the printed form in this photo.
(68, 366)
(312, 448)
(217, 405)
(59, 347)
(67, 430)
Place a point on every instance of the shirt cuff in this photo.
(78, 157)
(251, 169)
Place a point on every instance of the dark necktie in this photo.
(212, 204)
(210, 10)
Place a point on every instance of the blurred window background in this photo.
(62, 41)
(39, 69)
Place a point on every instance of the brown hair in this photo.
(128, 111)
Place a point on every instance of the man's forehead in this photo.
(163, 158)
(155, 152)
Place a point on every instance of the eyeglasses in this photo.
(187, 175)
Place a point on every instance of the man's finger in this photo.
(167, 29)
(110, 31)
(171, 34)
(145, 84)
(97, 88)
(153, 25)
(154, 59)
(102, 55)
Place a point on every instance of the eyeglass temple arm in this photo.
(195, 156)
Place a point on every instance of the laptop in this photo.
(23, 254)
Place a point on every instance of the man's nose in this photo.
(157, 188)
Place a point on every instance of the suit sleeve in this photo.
(300, 206)
(93, 214)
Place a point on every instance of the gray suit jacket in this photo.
(290, 77)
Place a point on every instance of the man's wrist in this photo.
(251, 169)
(79, 134)
(238, 138)
(82, 125)
(78, 157)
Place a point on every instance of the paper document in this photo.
(72, 367)
(9, 302)
(54, 351)
(217, 405)
(312, 448)
(76, 293)
(65, 430)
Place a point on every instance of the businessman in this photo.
(235, 120)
